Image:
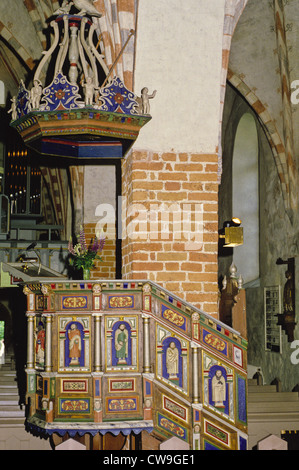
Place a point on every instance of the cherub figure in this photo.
(89, 91)
(65, 8)
(145, 97)
(86, 7)
(35, 94)
(13, 109)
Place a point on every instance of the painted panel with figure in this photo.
(40, 341)
(121, 345)
(218, 384)
(74, 344)
(172, 359)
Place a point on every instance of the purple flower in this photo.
(82, 239)
(70, 246)
(84, 257)
(101, 243)
(94, 244)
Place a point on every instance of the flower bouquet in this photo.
(83, 256)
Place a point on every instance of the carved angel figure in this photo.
(65, 8)
(13, 109)
(143, 106)
(35, 94)
(84, 7)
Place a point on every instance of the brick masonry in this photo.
(181, 180)
(104, 269)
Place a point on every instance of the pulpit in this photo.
(129, 357)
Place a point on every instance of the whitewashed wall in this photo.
(179, 54)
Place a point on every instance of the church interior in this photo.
(160, 138)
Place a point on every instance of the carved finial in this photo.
(96, 289)
(146, 288)
(233, 271)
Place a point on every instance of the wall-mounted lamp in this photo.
(232, 233)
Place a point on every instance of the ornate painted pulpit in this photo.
(127, 356)
(116, 356)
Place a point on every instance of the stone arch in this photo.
(275, 141)
(18, 48)
(232, 14)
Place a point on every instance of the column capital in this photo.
(30, 315)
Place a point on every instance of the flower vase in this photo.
(86, 274)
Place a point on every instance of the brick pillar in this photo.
(187, 182)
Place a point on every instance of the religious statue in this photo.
(35, 94)
(172, 360)
(89, 91)
(218, 389)
(75, 345)
(288, 297)
(121, 344)
(286, 319)
(40, 336)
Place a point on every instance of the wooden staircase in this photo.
(270, 411)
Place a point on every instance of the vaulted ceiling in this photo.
(22, 38)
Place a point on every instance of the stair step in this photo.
(9, 386)
(7, 400)
(273, 397)
(12, 409)
(262, 388)
(8, 383)
(11, 422)
(252, 381)
(9, 392)
(273, 407)
(12, 414)
(8, 376)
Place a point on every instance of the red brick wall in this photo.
(174, 178)
(103, 269)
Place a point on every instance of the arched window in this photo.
(245, 197)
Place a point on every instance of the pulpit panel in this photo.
(128, 357)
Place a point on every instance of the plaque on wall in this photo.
(272, 307)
